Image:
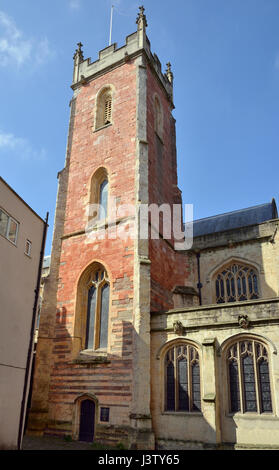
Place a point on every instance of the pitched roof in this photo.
(235, 219)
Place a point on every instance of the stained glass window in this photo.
(104, 311)
(182, 379)
(249, 383)
(170, 405)
(97, 310)
(91, 317)
(235, 283)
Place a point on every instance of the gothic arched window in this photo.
(97, 309)
(182, 378)
(104, 108)
(103, 199)
(236, 282)
(98, 202)
(248, 377)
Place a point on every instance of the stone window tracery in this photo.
(182, 379)
(98, 289)
(236, 282)
(248, 377)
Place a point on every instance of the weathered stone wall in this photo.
(254, 245)
(208, 327)
(110, 380)
(169, 268)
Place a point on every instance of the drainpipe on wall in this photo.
(31, 340)
(199, 284)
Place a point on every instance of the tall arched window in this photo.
(236, 282)
(182, 378)
(248, 377)
(97, 309)
(98, 203)
(104, 108)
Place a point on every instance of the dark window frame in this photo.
(249, 391)
(182, 392)
(97, 317)
(236, 282)
(6, 234)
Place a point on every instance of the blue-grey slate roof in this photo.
(235, 219)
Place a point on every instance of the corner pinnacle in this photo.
(141, 19)
(79, 53)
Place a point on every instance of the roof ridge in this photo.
(233, 212)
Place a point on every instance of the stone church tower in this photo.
(92, 376)
(140, 342)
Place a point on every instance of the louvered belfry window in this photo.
(236, 282)
(104, 108)
(182, 379)
(249, 381)
(107, 109)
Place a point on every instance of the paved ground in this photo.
(54, 443)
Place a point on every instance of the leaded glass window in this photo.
(97, 309)
(248, 373)
(236, 282)
(182, 379)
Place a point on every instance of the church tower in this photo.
(92, 372)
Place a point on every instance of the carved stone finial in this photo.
(243, 321)
(78, 53)
(169, 73)
(178, 328)
(141, 19)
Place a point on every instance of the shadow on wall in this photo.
(180, 429)
(79, 379)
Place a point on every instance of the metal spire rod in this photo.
(110, 30)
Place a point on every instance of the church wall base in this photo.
(125, 437)
(37, 422)
(169, 444)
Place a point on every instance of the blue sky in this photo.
(225, 60)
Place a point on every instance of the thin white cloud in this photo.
(20, 147)
(43, 51)
(75, 4)
(17, 49)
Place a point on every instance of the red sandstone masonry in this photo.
(168, 267)
(114, 148)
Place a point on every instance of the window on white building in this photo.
(8, 227)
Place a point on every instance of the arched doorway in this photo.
(87, 420)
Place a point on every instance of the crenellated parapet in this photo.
(111, 57)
